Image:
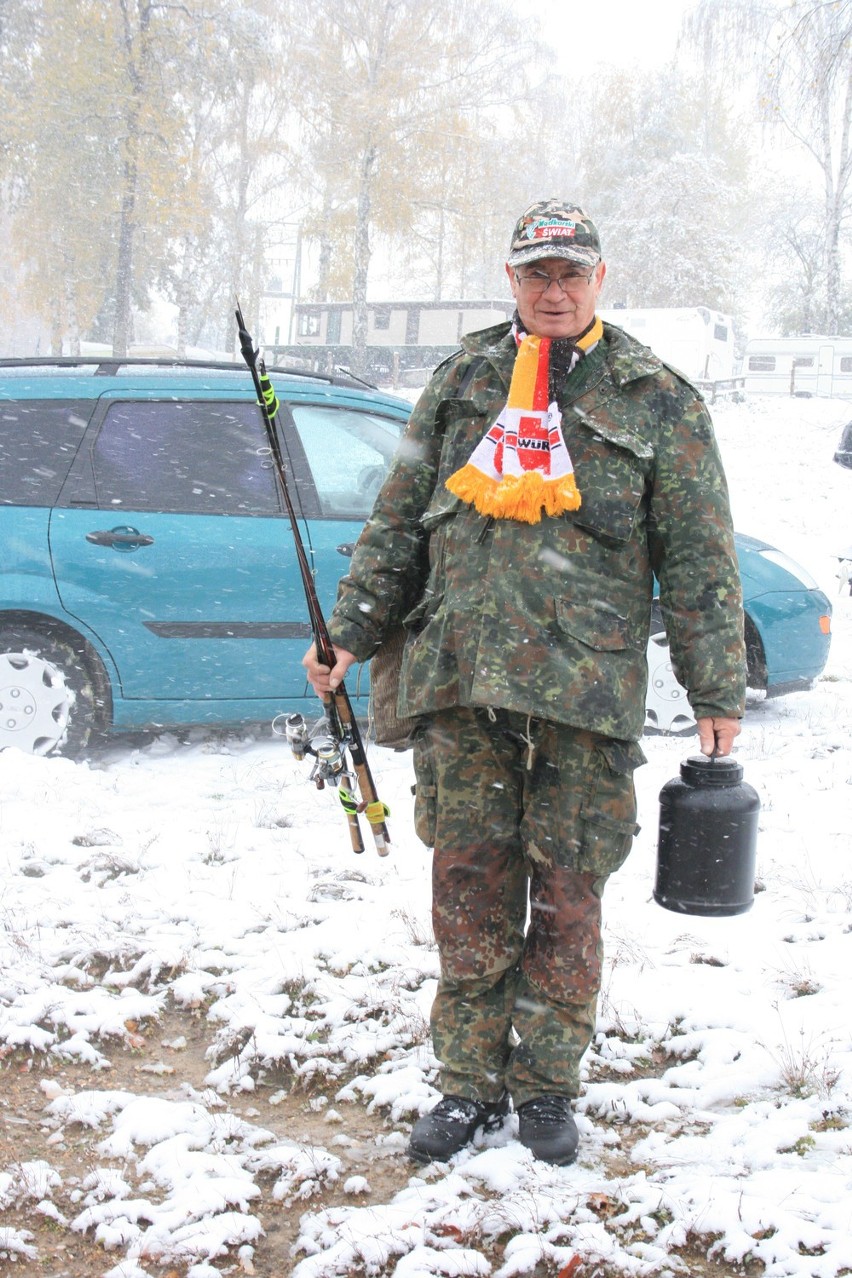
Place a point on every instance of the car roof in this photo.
(89, 377)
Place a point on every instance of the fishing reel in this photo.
(294, 729)
(328, 753)
(330, 764)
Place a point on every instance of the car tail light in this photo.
(825, 624)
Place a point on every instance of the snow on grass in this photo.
(717, 1095)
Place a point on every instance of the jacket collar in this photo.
(627, 359)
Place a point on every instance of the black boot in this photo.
(547, 1127)
(451, 1125)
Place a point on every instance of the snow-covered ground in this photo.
(717, 1105)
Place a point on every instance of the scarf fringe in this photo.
(475, 487)
(523, 497)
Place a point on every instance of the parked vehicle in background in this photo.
(402, 337)
(806, 366)
(147, 555)
(149, 578)
(697, 341)
(787, 634)
(405, 337)
(843, 456)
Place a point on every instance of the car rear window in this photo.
(38, 440)
(189, 457)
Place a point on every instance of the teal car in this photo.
(149, 578)
(787, 634)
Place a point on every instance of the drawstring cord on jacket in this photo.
(526, 737)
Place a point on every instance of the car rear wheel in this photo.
(666, 706)
(48, 699)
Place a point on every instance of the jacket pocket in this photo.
(436, 521)
(423, 613)
(611, 464)
(600, 628)
(611, 493)
(462, 426)
(443, 506)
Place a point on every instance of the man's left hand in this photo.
(716, 736)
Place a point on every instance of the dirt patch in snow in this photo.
(168, 1060)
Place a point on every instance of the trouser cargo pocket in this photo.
(604, 843)
(607, 818)
(425, 792)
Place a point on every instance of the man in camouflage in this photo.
(525, 662)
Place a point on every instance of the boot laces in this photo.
(547, 1109)
(457, 1108)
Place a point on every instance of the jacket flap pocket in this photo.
(451, 411)
(598, 627)
(423, 612)
(620, 436)
(442, 506)
(462, 426)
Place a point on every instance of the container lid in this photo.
(701, 770)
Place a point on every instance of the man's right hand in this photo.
(320, 677)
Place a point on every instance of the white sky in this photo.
(620, 32)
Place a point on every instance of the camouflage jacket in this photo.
(552, 619)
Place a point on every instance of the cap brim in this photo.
(535, 253)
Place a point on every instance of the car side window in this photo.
(38, 441)
(348, 452)
(187, 456)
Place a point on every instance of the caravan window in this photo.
(846, 363)
(761, 363)
(309, 324)
(720, 332)
(803, 361)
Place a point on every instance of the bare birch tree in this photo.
(800, 53)
(389, 80)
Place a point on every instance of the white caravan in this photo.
(809, 365)
(695, 340)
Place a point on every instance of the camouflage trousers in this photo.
(527, 819)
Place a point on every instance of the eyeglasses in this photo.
(540, 281)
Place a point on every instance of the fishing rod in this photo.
(344, 735)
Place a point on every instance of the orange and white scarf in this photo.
(522, 469)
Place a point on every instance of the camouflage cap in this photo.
(554, 228)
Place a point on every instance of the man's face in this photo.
(553, 311)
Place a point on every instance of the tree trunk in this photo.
(439, 255)
(56, 329)
(323, 268)
(362, 261)
(835, 207)
(137, 54)
(184, 297)
(121, 332)
(238, 234)
(72, 323)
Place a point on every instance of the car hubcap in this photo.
(34, 703)
(666, 706)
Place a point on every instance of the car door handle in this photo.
(346, 548)
(123, 538)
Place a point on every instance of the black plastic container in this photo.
(708, 839)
